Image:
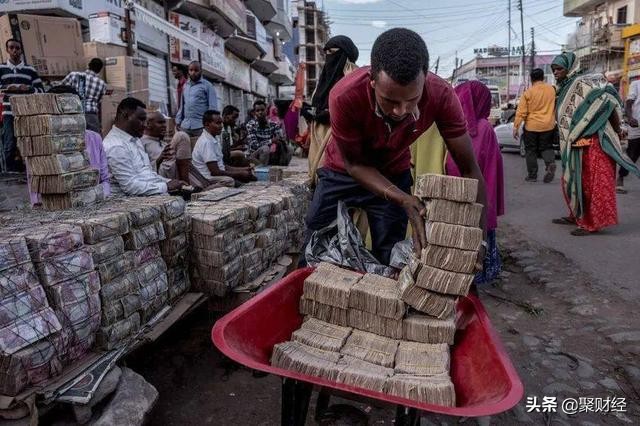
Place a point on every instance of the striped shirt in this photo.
(18, 74)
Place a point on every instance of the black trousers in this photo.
(387, 221)
(538, 144)
(633, 151)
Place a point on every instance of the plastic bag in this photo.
(340, 243)
(401, 253)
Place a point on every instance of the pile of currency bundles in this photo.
(236, 235)
(31, 339)
(446, 266)
(50, 131)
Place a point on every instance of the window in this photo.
(622, 16)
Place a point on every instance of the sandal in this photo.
(564, 221)
(580, 232)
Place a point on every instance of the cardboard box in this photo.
(52, 45)
(94, 49)
(106, 27)
(109, 106)
(130, 73)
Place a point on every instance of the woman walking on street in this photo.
(475, 98)
(589, 118)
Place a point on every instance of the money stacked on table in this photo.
(50, 132)
(358, 331)
(445, 269)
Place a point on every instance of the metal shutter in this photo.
(157, 79)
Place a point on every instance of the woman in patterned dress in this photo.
(589, 115)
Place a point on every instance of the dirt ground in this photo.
(565, 337)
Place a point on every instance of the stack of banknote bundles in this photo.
(445, 269)
(66, 270)
(50, 131)
(356, 372)
(174, 248)
(305, 359)
(438, 390)
(238, 235)
(427, 329)
(322, 335)
(31, 340)
(371, 348)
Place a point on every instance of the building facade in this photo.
(239, 43)
(598, 41)
(493, 71)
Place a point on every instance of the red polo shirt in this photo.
(357, 128)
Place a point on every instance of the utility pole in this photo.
(455, 68)
(522, 65)
(509, 54)
(532, 59)
(437, 64)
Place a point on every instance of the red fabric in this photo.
(358, 130)
(598, 189)
(180, 90)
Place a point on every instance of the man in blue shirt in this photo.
(198, 97)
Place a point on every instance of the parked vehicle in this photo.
(504, 132)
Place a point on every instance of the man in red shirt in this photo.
(377, 112)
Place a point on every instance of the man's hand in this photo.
(633, 122)
(516, 133)
(416, 211)
(175, 185)
(166, 154)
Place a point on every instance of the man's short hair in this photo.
(63, 89)
(96, 65)
(129, 105)
(259, 102)
(195, 62)
(6, 43)
(229, 109)
(537, 74)
(401, 53)
(180, 68)
(208, 116)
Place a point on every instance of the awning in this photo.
(244, 47)
(209, 16)
(167, 28)
(265, 65)
(263, 9)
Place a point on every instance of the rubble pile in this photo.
(50, 131)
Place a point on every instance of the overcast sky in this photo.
(451, 25)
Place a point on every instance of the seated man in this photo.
(170, 160)
(208, 161)
(131, 172)
(233, 138)
(263, 136)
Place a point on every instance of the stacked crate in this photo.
(445, 270)
(31, 338)
(50, 130)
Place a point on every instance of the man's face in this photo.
(560, 73)
(214, 127)
(195, 72)
(231, 119)
(177, 74)
(136, 122)
(14, 49)
(395, 100)
(156, 126)
(260, 112)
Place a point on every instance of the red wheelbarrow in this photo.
(486, 382)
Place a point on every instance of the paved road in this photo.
(612, 257)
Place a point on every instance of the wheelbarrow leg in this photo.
(323, 402)
(295, 402)
(406, 416)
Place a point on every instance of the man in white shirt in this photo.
(207, 157)
(632, 111)
(131, 172)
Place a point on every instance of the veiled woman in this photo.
(589, 116)
(341, 55)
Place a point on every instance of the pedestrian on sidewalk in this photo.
(589, 117)
(377, 112)
(198, 97)
(91, 88)
(632, 111)
(536, 111)
(16, 78)
(475, 98)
